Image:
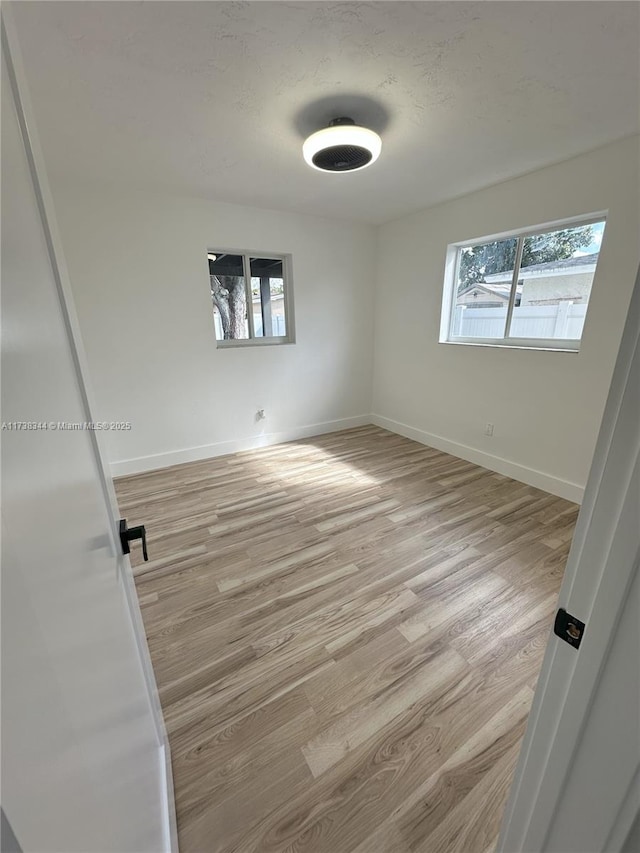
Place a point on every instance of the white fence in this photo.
(562, 321)
(278, 324)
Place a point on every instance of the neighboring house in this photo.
(549, 283)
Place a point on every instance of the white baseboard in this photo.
(530, 476)
(222, 448)
(539, 479)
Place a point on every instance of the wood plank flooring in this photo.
(346, 633)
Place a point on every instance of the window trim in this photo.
(452, 268)
(287, 290)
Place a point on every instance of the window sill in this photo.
(254, 342)
(545, 347)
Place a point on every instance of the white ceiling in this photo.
(214, 98)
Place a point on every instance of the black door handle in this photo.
(128, 534)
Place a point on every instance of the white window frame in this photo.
(287, 287)
(451, 279)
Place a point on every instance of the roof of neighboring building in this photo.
(549, 266)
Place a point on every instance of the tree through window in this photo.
(251, 297)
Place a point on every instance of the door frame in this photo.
(600, 568)
(44, 200)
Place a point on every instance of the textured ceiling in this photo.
(214, 98)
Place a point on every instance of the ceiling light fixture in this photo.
(344, 146)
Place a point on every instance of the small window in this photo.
(526, 289)
(251, 294)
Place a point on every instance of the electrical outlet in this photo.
(488, 430)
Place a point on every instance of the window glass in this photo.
(229, 295)
(268, 298)
(485, 272)
(556, 276)
(524, 288)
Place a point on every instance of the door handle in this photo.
(128, 534)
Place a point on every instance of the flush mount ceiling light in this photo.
(344, 146)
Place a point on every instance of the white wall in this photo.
(137, 264)
(546, 406)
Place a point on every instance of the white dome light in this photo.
(342, 147)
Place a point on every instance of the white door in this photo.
(577, 784)
(83, 753)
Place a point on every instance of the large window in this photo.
(251, 296)
(526, 289)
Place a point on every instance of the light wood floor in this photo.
(346, 633)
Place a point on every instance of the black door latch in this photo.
(568, 628)
(128, 534)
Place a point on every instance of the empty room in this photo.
(320, 427)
